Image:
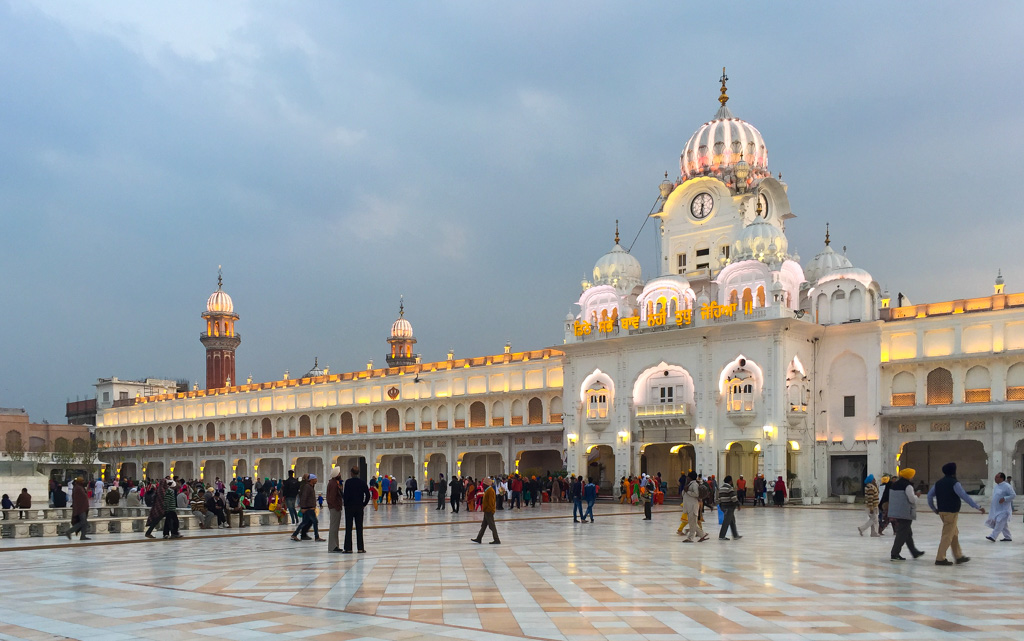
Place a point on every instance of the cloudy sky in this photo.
(471, 156)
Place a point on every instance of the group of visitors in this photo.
(514, 489)
(892, 500)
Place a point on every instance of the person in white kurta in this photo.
(1002, 507)
(97, 493)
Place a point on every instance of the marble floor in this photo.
(798, 573)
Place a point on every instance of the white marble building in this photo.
(735, 358)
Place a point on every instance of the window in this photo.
(681, 260)
(598, 403)
(725, 251)
(702, 265)
(703, 252)
(849, 406)
(122, 395)
(666, 394)
(106, 397)
(939, 387)
(741, 396)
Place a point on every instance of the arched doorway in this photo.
(154, 470)
(743, 458)
(928, 457)
(212, 470)
(540, 462)
(183, 469)
(400, 466)
(481, 464)
(671, 460)
(601, 467)
(268, 468)
(437, 464)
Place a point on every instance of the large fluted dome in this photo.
(219, 301)
(401, 328)
(719, 145)
(618, 268)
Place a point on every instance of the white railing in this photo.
(661, 409)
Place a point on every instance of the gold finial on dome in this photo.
(758, 209)
(616, 231)
(827, 241)
(724, 98)
(220, 277)
(401, 305)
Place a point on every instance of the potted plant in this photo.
(815, 500)
(848, 486)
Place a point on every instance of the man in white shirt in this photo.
(97, 493)
(1002, 507)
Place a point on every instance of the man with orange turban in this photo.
(902, 500)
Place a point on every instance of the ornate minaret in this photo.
(219, 338)
(401, 340)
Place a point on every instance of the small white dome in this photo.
(619, 269)
(219, 301)
(317, 370)
(401, 328)
(761, 240)
(847, 273)
(824, 263)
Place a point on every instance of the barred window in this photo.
(975, 426)
(940, 426)
(940, 387)
(907, 427)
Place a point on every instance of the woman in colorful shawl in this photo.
(635, 498)
(624, 490)
(156, 513)
(470, 495)
(276, 506)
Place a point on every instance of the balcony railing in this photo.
(661, 409)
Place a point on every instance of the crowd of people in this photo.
(890, 500)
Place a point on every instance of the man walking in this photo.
(1002, 507)
(728, 502)
(290, 489)
(576, 494)
(871, 503)
(97, 493)
(692, 505)
(456, 494)
(307, 505)
(741, 491)
(589, 495)
(487, 506)
(944, 499)
(902, 500)
(335, 502)
(517, 493)
(171, 512)
(442, 491)
(79, 510)
(355, 496)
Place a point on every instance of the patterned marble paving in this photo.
(798, 573)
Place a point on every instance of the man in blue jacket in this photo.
(589, 495)
(944, 499)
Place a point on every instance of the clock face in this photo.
(763, 201)
(700, 206)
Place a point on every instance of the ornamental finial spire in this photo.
(616, 231)
(220, 277)
(724, 98)
(401, 306)
(827, 241)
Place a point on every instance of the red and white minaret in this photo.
(220, 338)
